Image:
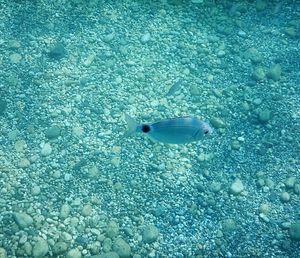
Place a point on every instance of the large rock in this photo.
(112, 229)
(150, 234)
(40, 248)
(294, 231)
(22, 219)
(236, 187)
(3, 253)
(122, 248)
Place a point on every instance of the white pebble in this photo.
(146, 37)
(46, 149)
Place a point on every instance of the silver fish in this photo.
(178, 130)
(175, 87)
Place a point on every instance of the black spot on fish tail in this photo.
(145, 128)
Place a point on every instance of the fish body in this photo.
(174, 88)
(178, 130)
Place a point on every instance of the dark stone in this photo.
(58, 51)
(52, 132)
(3, 106)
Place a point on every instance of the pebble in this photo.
(23, 163)
(150, 234)
(74, 253)
(3, 106)
(66, 236)
(217, 122)
(86, 210)
(264, 217)
(64, 211)
(40, 248)
(27, 248)
(290, 182)
(15, 58)
(146, 37)
(253, 54)
(264, 116)
(59, 248)
(58, 51)
(35, 190)
(285, 197)
(52, 132)
(112, 229)
(297, 188)
(22, 240)
(122, 248)
(108, 38)
(3, 253)
(22, 219)
(46, 149)
(294, 231)
(258, 74)
(274, 72)
(236, 187)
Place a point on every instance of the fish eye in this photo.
(145, 128)
(206, 131)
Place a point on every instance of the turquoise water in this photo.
(71, 184)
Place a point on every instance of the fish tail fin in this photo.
(131, 125)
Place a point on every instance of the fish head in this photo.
(206, 129)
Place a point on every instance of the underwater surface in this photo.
(73, 185)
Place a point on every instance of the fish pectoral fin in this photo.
(131, 126)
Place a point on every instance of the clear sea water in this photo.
(71, 184)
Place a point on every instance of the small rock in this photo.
(264, 116)
(107, 255)
(3, 106)
(235, 145)
(261, 5)
(150, 234)
(264, 217)
(86, 210)
(108, 38)
(253, 54)
(74, 253)
(64, 211)
(290, 31)
(65, 236)
(294, 231)
(112, 229)
(53, 132)
(46, 149)
(297, 188)
(285, 197)
(59, 248)
(217, 122)
(14, 44)
(23, 220)
(290, 182)
(15, 58)
(122, 248)
(57, 52)
(145, 38)
(40, 248)
(236, 187)
(228, 226)
(23, 163)
(3, 253)
(28, 248)
(215, 187)
(258, 74)
(35, 190)
(274, 72)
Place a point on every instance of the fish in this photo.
(175, 87)
(179, 130)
